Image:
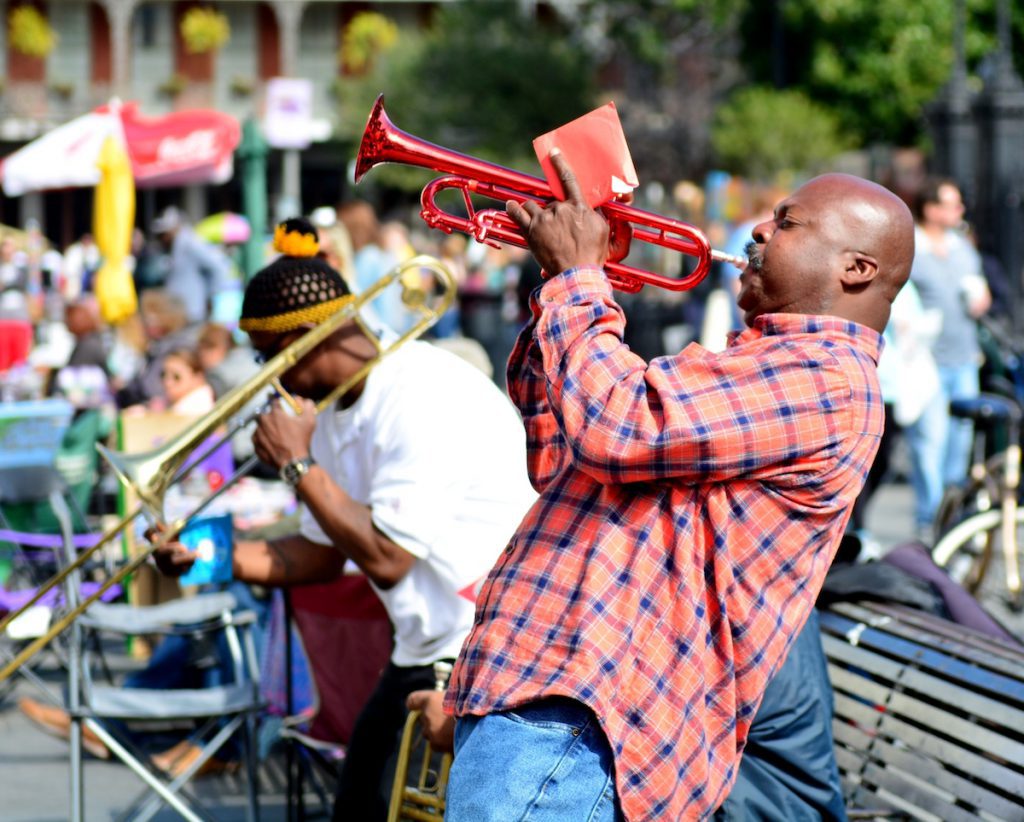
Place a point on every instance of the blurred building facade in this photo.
(135, 50)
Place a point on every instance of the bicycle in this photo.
(984, 516)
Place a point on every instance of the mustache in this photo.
(754, 255)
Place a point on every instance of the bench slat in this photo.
(929, 717)
(851, 736)
(865, 717)
(945, 782)
(968, 733)
(908, 793)
(928, 629)
(987, 650)
(1000, 778)
(854, 682)
(897, 649)
(863, 658)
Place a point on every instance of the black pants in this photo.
(364, 788)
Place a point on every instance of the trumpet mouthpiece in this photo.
(738, 260)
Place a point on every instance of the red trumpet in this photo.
(383, 142)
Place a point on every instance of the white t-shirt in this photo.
(438, 453)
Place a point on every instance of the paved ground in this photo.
(34, 768)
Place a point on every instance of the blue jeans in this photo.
(788, 770)
(546, 761)
(959, 382)
(172, 664)
(926, 441)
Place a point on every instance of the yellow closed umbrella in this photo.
(113, 221)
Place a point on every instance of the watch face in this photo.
(292, 472)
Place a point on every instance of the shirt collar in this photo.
(772, 325)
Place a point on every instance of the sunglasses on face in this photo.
(282, 342)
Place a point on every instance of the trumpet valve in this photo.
(442, 671)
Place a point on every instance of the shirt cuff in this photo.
(582, 281)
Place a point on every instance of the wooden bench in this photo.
(929, 716)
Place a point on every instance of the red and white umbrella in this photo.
(185, 147)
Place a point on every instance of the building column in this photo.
(289, 21)
(952, 122)
(119, 14)
(999, 109)
(33, 210)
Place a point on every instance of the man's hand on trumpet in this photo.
(438, 727)
(281, 437)
(565, 234)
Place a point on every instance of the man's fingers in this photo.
(417, 700)
(519, 217)
(565, 174)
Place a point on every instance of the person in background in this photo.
(227, 365)
(948, 276)
(14, 277)
(914, 404)
(335, 243)
(81, 261)
(82, 317)
(371, 260)
(197, 269)
(689, 509)
(762, 201)
(186, 391)
(165, 325)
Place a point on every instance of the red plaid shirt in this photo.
(689, 509)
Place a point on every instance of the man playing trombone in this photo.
(416, 477)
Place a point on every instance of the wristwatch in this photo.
(292, 472)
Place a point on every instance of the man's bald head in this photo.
(876, 222)
(838, 245)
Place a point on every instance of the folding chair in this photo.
(44, 478)
(219, 710)
(31, 433)
(347, 638)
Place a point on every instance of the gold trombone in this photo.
(424, 801)
(149, 474)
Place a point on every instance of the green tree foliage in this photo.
(763, 132)
(875, 64)
(654, 32)
(482, 79)
(665, 63)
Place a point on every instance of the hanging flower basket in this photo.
(29, 32)
(173, 85)
(204, 30)
(367, 35)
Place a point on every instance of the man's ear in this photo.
(859, 269)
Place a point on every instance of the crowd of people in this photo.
(624, 576)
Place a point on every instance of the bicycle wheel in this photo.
(967, 549)
(976, 494)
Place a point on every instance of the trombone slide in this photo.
(151, 473)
